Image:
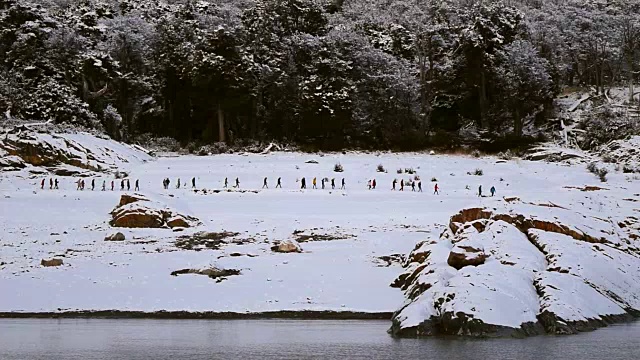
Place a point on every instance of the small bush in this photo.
(478, 172)
(507, 155)
(475, 153)
(381, 168)
(400, 171)
(607, 158)
(120, 174)
(409, 171)
(416, 178)
(601, 173)
(629, 170)
(433, 179)
(338, 167)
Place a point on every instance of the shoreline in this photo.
(205, 315)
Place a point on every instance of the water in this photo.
(285, 339)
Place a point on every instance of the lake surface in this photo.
(285, 339)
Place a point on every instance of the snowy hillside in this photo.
(555, 246)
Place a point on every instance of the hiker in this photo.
(168, 183)
(279, 184)
(401, 184)
(193, 183)
(55, 184)
(226, 183)
(493, 190)
(104, 185)
(82, 185)
(413, 186)
(137, 185)
(420, 186)
(393, 184)
(303, 183)
(111, 185)
(178, 184)
(238, 183)
(42, 185)
(322, 181)
(50, 183)
(369, 184)
(128, 185)
(93, 184)
(480, 191)
(264, 183)
(343, 185)
(333, 183)
(373, 184)
(436, 190)
(315, 183)
(122, 185)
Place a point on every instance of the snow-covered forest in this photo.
(328, 73)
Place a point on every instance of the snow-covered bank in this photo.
(352, 242)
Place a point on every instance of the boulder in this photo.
(135, 215)
(287, 246)
(129, 199)
(462, 256)
(115, 237)
(52, 262)
(136, 211)
(178, 222)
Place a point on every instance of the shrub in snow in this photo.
(475, 153)
(433, 179)
(409, 171)
(601, 173)
(120, 174)
(338, 167)
(477, 172)
(381, 168)
(400, 171)
(507, 155)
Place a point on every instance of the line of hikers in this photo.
(80, 184)
(492, 190)
(166, 182)
(371, 184)
(53, 184)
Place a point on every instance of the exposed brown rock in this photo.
(460, 257)
(287, 246)
(115, 237)
(178, 221)
(52, 262)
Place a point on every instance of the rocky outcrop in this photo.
(519, 272)
(51, 262)
(214, 273)
(204, 240)
(23, 145)
(287, 246)
(139, 212)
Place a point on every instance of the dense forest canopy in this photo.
(332, 73)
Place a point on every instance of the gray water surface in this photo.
(286, 339)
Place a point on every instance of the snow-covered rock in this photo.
(287, 246)
(79, 150)
(139, 212)
(519, 271)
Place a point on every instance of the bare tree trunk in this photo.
(221, 131)
(517, 126)
(483, 96)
